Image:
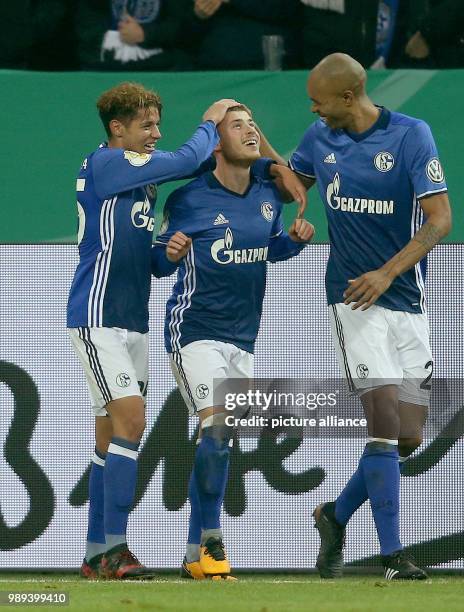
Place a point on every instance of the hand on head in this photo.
(217, 111)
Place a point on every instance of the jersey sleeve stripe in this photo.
(292, 167)
(416, 221)
(426, 193)
(102, 265)
(110, 228)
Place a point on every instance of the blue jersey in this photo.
(371, 184)
(221, 282)
(116, 193)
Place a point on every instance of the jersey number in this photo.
(426, 384)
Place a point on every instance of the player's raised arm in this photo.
(291, 183)
(116, 169)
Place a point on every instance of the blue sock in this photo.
(120, 476)
(194, 534)
(351, 498)
(96, 526)
(210, 472)
(354, 495)
(379, 465)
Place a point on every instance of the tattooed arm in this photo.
(366, 289)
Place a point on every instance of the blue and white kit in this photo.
(216, 303)
(371, 185)
(116, 194)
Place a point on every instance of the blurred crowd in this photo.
(178, 35)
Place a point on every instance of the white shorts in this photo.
(379, 346)
(115, 363)
(198, 364)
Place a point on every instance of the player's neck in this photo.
(114, 143)
(234, 178)
(364, 117)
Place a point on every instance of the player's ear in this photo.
(116, 127)
(348, 97)
(218, 147)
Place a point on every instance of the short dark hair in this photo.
(240, 107)
(124, 101)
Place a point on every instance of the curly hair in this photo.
(124, 101)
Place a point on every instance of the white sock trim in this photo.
(207, 421)
(384, 440)
(402, 459)
(98, 460)
(115, 449)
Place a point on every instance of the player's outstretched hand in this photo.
(366, 289)
(301, 231)
(217, 111)
(178, 247)
(288, 181)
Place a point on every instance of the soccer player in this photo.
(379, 174)
(107, 313)
(219, 231)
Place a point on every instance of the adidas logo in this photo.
(220, 220)
(330, 159)
(390, 573)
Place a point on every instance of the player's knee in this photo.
(132, 427)
(406, 446)
(138, 426)
(216, 426)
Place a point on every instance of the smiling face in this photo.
(329, 102)
(240, 139)
(139, 134)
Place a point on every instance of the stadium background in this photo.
(49, 124)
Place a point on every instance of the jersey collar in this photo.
(381, 124)
(215, 184)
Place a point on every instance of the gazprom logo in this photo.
(356, 205)
(332, 189)
(140, 215)
(220, 249)
(222, 252)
